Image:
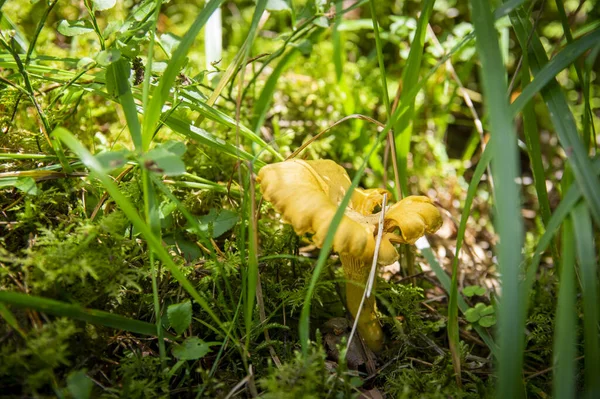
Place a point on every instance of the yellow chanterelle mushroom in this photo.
(307, 194)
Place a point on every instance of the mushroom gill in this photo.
(308, 193)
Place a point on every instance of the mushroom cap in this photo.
(308, 193)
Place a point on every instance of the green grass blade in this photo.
(203, 137)
(410, 76)
(161, 93)
(380, 61)
(532, 141)
(566, 205)
(208, 111)
(266, 96)
(586, 256)
(128, 208)
(560, 61)
(508, 223)
(561, 116)
(565, 332)
(11, 320)
(453, 328)
(93, 316)
(117, 83)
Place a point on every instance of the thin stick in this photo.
(371, 279)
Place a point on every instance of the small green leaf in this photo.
(473, 290)
(75, 28)
(25, 184)
(221, 222)
(79, 385)
(169, 42)
(480, 306)
(472, 315)
(180, 316)
(101, 5)
(192, 348)
(188, 249)
(107, 57)
(163, 162)
(111, 160)
(85, 62)
(488, 310)
(322, 22)
(278, 5)
(174, 147)
(487, 321)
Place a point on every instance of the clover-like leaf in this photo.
(472, 315)
(472, 290)
(487, 321)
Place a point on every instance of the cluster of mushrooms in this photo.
(308, 193)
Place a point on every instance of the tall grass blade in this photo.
(548, 72)
(410, 76)
(560, 115)
(453, 328)
(77, 312)
(508, 223)
(117, 84)
(586, 256)
(161, 93)
(565, 332)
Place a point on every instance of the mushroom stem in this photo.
(357, 274)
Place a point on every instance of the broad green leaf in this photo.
(75, 28)
(221, 222)
(163, 162)
(25, 184)
(192, 348)
(180, 316)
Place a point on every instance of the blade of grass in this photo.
(508, 222)
(266, 96)
(453, 328)
(117, 84)
(11, 320)
(410, 76)
(161, 93)
(566, 319)
(93, 316)
(548, 72)
(386, 98)
(127, 207)
(563, 209)
(586, 255)
(560, 115)
(532, 140)
(250, 277)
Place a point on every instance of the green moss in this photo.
(31, 366)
